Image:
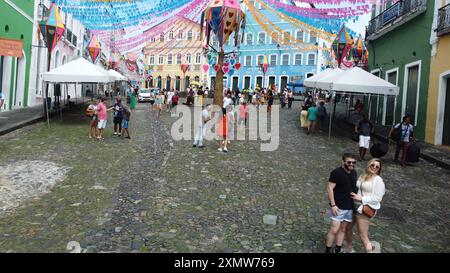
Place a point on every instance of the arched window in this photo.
(63, 60)
(188, 58)
(161, 37)
(169, 59)
(180, 35)
(249, 39)
(171, 35)
(178, 58)
(189, 35)
(198, 58)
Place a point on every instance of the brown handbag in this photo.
(366, 209)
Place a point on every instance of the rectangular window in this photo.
(274, 38)
(180, 35)
(273, 60)
(311, 59)
(152, 60)
(169, 59)
(198, 58)
(262, 38)
(161, 37)
(248, 60)
(161, 60)
(299, 35)
(189, 36)
(286, 38)
(178, 58)
(285, 60)
(249, 40)
(312, 37)
(298, 59)
(260, 60)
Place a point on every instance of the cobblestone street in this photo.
(153, 194)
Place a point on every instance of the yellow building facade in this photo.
(438, 116)
(178, 47)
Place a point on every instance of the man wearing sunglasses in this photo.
(341, 184)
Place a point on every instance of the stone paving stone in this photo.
(146, 187)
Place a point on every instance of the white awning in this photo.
(78, 71)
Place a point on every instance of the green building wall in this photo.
(403, 45)
(20, 28)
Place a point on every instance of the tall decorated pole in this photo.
(52, 28)
(265, 66)
(222, 17)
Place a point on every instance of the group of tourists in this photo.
(98, 118)
(313, 115)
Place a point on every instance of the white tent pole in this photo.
(46, 103)
(331, 118)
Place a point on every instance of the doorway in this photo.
(246, 82)
(446, 128)
(412, 92)
(271, 81)
(235, 83)
(283, 84)
(259, 82)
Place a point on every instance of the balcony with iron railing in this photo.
(443, 27)
(395, 16)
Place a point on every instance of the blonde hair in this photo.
(367, 173)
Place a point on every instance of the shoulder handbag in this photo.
(366, 209)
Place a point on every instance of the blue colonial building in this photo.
(287, 64)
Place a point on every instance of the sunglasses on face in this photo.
(375, 166)
(351, 162)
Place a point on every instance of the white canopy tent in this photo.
(75, 72)
(352, 81)
(117, 75)
(78, 71)
(312, 81)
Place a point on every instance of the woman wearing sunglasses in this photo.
(370, 192)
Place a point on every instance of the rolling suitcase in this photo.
(413, 153)
(378, 150)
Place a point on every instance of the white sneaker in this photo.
(115, 133)
(220, 150)
(225, 150)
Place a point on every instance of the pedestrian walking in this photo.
(402, 133)
(227, 101)
(270, 97)
(312, 118)
(341, 184)
(205, 116)
(169, 101)
(364, 128)
(118, 117)
(132, 100)
(230, 125)
(222, 131)
(290, 98)
(91, 112)
(102, 118)
(126, 121)
(152, 101)
(283, 99)
(159, 102)
(321, 116)
(367, 201)
(304, 118)
(242, 121)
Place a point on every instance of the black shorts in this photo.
(118, 120)
(152, 102)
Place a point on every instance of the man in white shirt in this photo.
(205, 116)
(407, 133)
(227, 100)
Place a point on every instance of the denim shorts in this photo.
(125, 124)
(343, 215)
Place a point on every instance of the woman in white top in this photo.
(370, 192)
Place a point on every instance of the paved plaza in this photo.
(153, 194)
